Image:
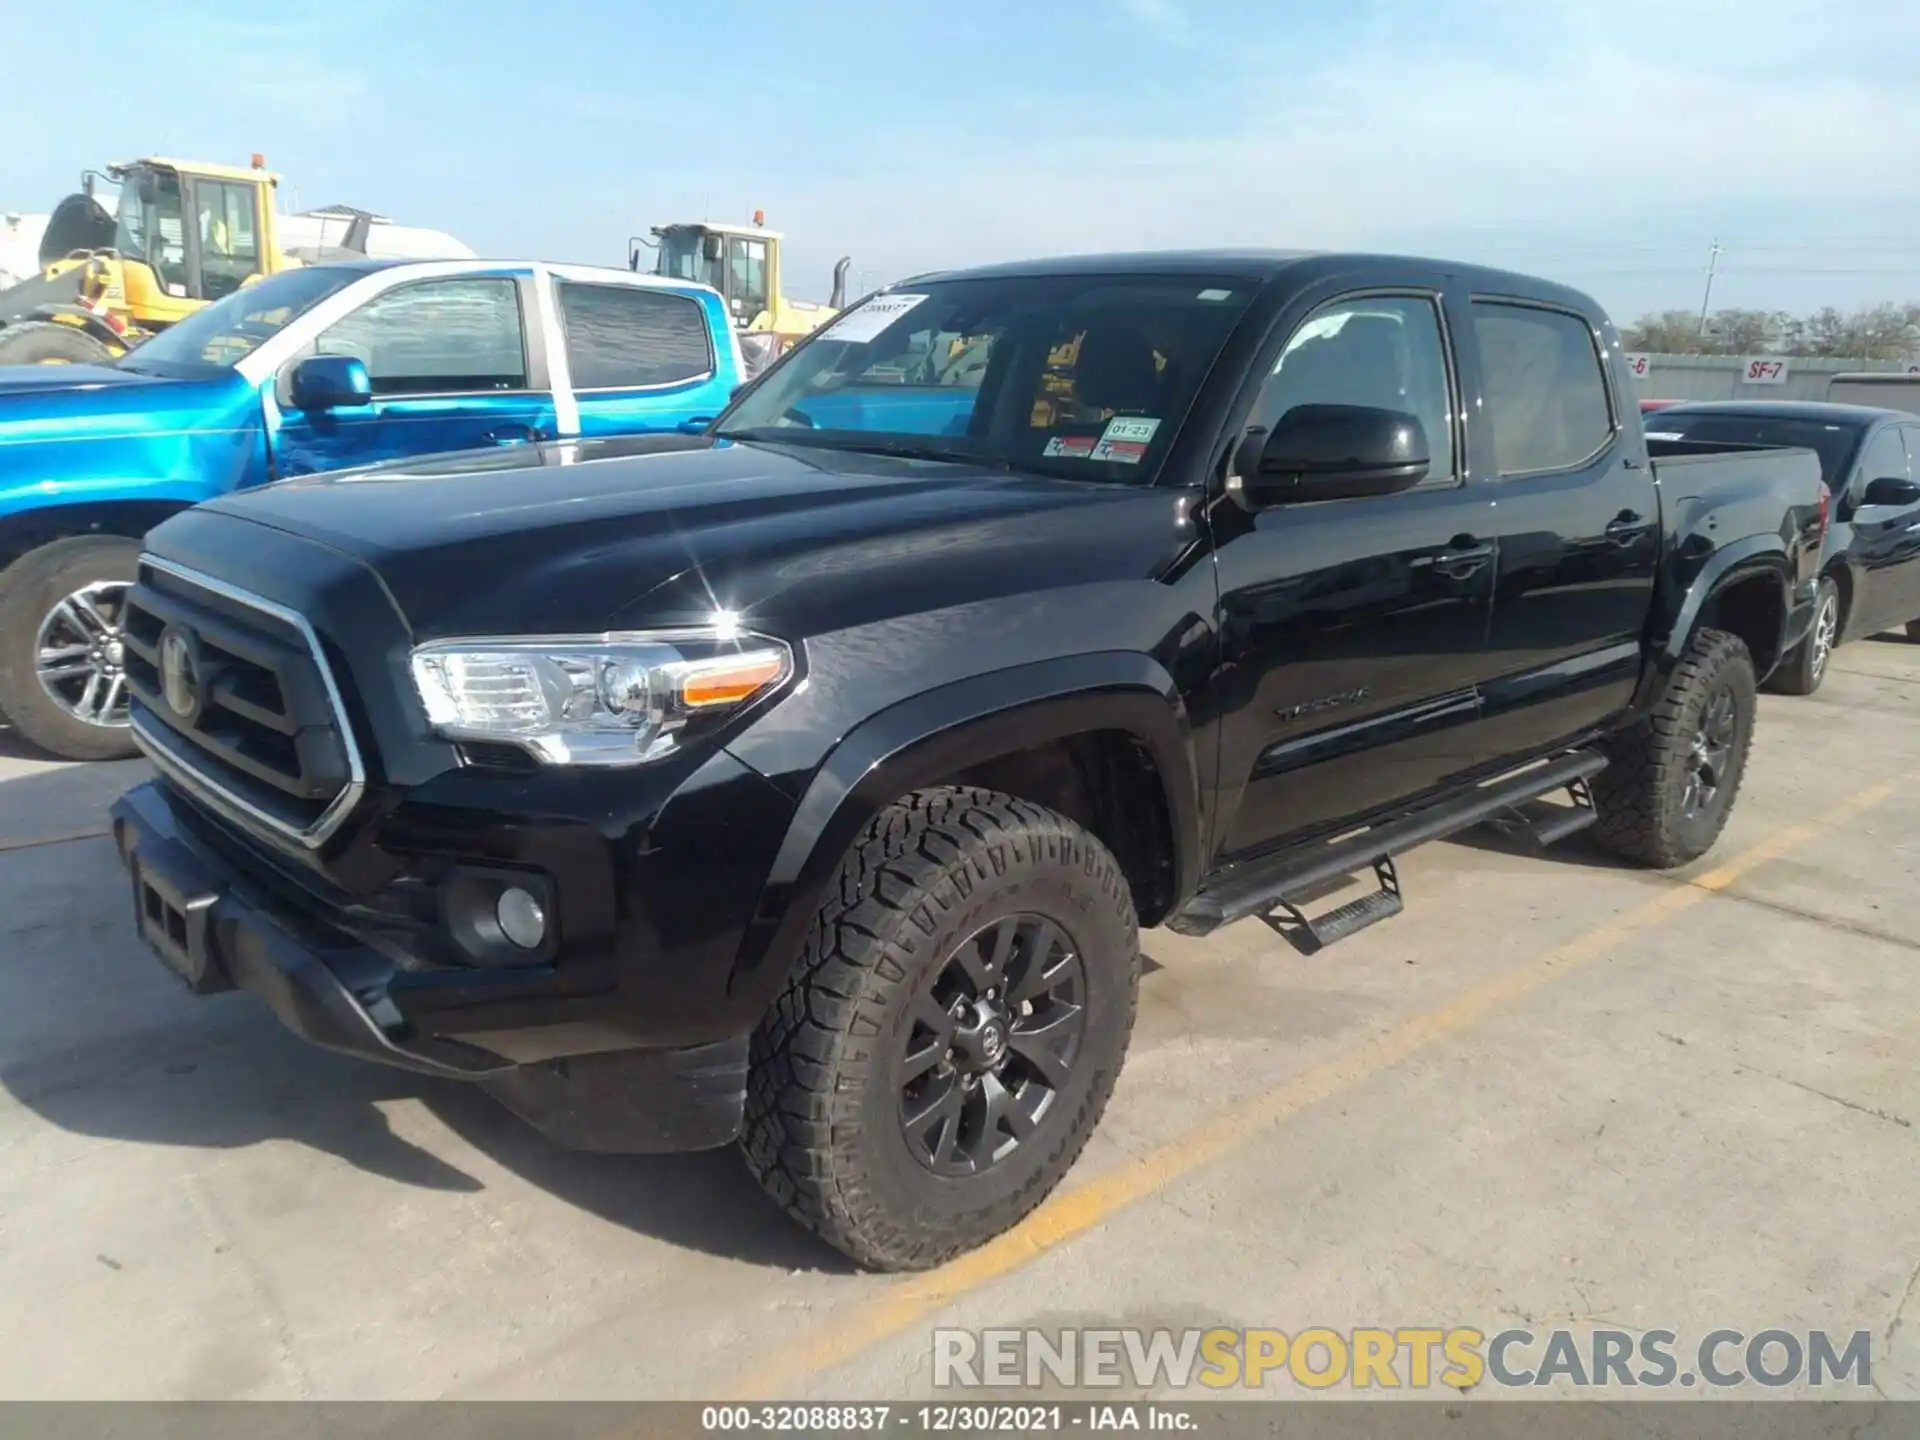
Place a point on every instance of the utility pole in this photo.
(1713, 261)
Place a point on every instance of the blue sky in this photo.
(1605, 145)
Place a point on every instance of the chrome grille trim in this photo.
(237, 807)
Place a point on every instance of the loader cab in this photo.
(190, 234)
(741, 262)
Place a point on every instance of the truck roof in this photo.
(1262, 265)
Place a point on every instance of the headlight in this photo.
(595, 700)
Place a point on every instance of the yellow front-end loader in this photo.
(184, 234)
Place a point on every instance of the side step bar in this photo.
(1280, 885)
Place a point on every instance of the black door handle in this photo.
(1625, 528)
(1459, 560)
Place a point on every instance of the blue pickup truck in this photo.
(319, 368)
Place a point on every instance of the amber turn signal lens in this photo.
(729, 681)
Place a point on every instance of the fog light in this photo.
(521, 919)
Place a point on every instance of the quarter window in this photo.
(437, 337)
(1545, 390)
(622, 337)
(1384, 351)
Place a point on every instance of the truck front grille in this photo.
(233, 698)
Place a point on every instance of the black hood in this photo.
(582, 536)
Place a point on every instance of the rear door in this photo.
(1578, 526)
(1351, 631)
(455, 365)
(640, 358)
(1886, 539)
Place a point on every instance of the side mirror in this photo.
(1891, 490)
(710, 247)
(1331, 452)
(331, 382)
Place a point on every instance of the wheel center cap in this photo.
(981, 1043)
(116, 652)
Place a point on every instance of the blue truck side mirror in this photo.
(331, 382)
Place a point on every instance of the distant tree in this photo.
(1671, 332)
(1879, 332)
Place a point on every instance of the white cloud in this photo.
(1592, 146)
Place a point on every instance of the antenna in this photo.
(1714, 252)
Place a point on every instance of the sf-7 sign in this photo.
(1765, 370)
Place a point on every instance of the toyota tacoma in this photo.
(805, 782)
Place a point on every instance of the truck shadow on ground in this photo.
(98, 1040)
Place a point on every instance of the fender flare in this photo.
(933, 735)
(1758, 554)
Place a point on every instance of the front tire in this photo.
(951, 1032)
(45, 342)
(1806, 664)
(62, 681)
(1672, 778)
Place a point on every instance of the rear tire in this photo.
(1806, 664)
(910, 929)
(1671, 780)
(30, 590)
(1913, 629)
(44, 342)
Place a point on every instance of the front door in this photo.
(1351, 626)
(451, 370)
(1886, 540)
(1578, 527)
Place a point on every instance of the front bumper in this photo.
(217, 930)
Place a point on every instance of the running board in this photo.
(1280, 885)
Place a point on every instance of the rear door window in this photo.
(1544, 387)
(628, 337)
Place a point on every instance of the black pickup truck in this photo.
(805, 781)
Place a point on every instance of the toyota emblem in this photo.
(179, 674)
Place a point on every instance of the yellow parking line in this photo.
(1078, 1210)
(33, 840)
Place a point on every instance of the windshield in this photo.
(1081, 376)
(681, 257)
(1834, 444)
(211, 340)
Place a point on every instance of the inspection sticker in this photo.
(1120, 452)
(1131, 427)
(1074, 447)
(871, 318)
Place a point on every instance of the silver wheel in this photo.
(80, 655)
(1826, 629)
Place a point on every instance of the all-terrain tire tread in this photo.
(1633, 795)
(914, 860)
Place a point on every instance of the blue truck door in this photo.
(643, 358)
(455, 364)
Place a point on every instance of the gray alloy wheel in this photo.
(80, 655)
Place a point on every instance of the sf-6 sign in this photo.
(1764, 370)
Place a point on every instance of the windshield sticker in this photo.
(871, 318)
(1120, 452)
(1073, 447)
(1216, 295)
(1131, 427)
